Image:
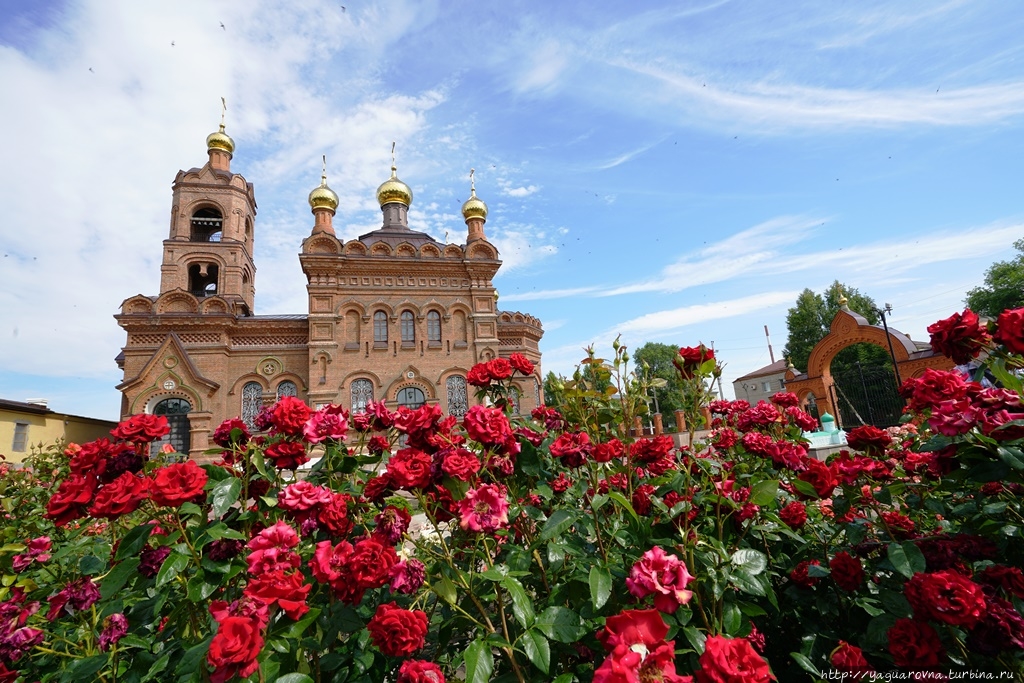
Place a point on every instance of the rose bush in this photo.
(557, 547)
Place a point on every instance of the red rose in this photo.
(691, 358)
(397, 632)
(521, 363)
(914, 644)
(960, 336)
(847, 571)
(800, 577)
(572, 448)
(91, 458)
(1010, 579)
(286, 590)
(334, 515)
(489, 426)
(625, 664)
(933, 387)
(287, 455)
(289, 416)
(178, 483)
(141, 428)
(377, 488)
(410, 468)
(499, 368)
(850, 659)
(460, 464)
(642, 499)
(732, 660)
(820, 476)
(649, 450)
(633, 627)
(605, 452)
(1010, 330)
(371, 562)
(868, 439)
(231, 432)
(794, 514)
(418, 671)
(71, 499)
(947, 597)
(478, 376)
(121, 496)
(234, 649)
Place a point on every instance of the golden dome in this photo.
(474, 207)
(323, 197)
(394, 190)
(220, 140)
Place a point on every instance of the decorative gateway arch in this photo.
(815, 386)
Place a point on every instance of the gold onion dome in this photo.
(394, 190)
(220, 140)
(323, 197)
(474, 207)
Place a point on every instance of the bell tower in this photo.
(209, 250)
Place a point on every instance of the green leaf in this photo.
(117, 577)
(225, 493)
(564, 678)
(732, 618)
(522, 606)
(747, 583)
(260, 463)
(298, 628)
(600, 586)
(190, 661)
(85, 669)
(560, 624)
(750, 561)
(171, 567)
(538, 649)
(294, 678)
(220, 530)
(479, 662)
(199, 589)
(805, 664)
(90, 564)
(558, 522)
(133, 541)
(906, 558)
(624, 504)
(764, 492)
(158, 666)
(695, 638)
(805, 488)
(1012, 456)
(445, 589)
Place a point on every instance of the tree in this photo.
(658, 358)
(1004, 286)
(811, 318)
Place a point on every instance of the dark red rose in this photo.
(794, 514)
(488, 426)
(820, 476)
(286, 590)
(642, 499)
(499, 368)
(410, 468)
(800, 577)
(650, 450)
(847, 571)
(392, 524)
(418, 671)
(121, 496)
(289, 416)
(732, 660)
(287, 455)
(933, 387)
(850, 659)
(178, 483)
(141, 428)
(234, 649)
(868, 439)
(91, 458)
(376, 489)
(478, 376)
(571, 448)
(460, 464)
(960, 336)
(946, 596)
(230, 433)
(521, 364)
(1001, 629)
(1010, 330)
(71, 499)
(691, 358)
(605, 452)
(1010, 579)
(378, 445)
(334, 515)
(785, 454)
(397, 632)
(915, 644)
(151, 559)
(371, 562)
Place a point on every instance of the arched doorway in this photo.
(176, 411)
(863, 389)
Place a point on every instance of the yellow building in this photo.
(24, 425)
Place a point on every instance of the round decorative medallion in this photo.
(269, 368)
(410, 374)
(169, 385)
(170, 362)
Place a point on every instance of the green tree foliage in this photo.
(658, 360)
(811, 318)
(1004, 286)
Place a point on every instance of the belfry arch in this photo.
(849, 328)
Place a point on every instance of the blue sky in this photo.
(671, 171)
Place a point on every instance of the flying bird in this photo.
(342, 8)
(172, 43)
(223, 26)
(91, 71)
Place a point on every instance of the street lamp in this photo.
(892, 352)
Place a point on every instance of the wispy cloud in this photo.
(628, 156)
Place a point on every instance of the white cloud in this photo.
(520, 191)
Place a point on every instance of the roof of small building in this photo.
(776, 368)
(39, 409)
(393, 235)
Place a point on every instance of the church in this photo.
(392, 316)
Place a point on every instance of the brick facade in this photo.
(393, 315)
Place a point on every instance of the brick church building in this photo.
(393, 315)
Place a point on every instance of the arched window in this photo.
(362, 393)
(459, 327)
(433, 328)
(202, 279)
(410, 397)
(513, 400)
(207, 225)
(252, 402)
(408, 328)
(380, 329)
(287, 388)
(176, 411)
(352, 330)
(458, 397)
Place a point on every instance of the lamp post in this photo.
(892, 352)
